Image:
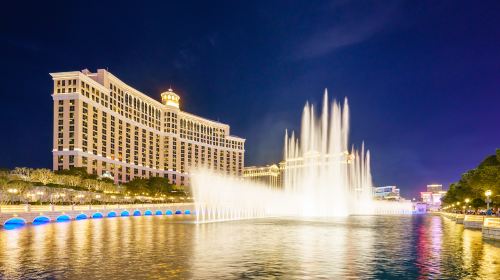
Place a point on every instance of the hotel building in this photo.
(108, 127)
(386, 193)
(269, 175)
(433, 196)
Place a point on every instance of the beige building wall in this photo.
(269, 175)
(103, 124)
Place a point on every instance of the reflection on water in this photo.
(161, 247)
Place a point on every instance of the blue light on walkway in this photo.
(111, 214)
(125, 214)
(40, 220)
(137, 213)
(63, 218)
(14, 223)
(158, 212)
(148, 213)
(81, 217)
(97, 215)
(168, 212)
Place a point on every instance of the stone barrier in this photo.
(491, 228)
(459, 219)
(450, 216)
(473, 221)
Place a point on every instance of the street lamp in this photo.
(467, 200)
(488, 200)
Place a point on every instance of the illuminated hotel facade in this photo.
(269, 175)
(433, 196)
(108, 127)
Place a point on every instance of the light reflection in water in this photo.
(169, 247)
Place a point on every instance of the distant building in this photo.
(386, 193)
(432, 197)
(434, 188)
(269, 175)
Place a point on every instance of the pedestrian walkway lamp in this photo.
(488, 199)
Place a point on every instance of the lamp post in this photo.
(467, 200)
(488, 200)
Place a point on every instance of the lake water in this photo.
(163, 247)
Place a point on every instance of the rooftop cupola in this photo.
(169, 98)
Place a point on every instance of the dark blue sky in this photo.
(422, 77)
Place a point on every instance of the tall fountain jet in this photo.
(322, 177)
(330, 179)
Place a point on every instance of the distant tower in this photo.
(169, 98)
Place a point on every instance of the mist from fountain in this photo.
(322, 177)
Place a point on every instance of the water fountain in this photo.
(322, 177)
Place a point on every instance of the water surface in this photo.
(162, 247)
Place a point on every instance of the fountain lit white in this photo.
(322, 177)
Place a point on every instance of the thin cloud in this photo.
(354, 29)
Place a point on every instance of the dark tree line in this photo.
(474, 183)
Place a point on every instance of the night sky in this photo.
(422, 77)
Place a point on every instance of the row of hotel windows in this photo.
(150, 154)
(135, 109)
(206, 134)
(117, 100)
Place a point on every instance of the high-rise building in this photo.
(433, 195)
(108, 127)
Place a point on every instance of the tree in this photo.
(19, 185)
(137, 186)
(72, 180)
(22, 173)
(474, 183)
(42, 175)
(77, 171)
(159, 185)
(477, 203)
(4, 179)
(89, 184)
(108, 187)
